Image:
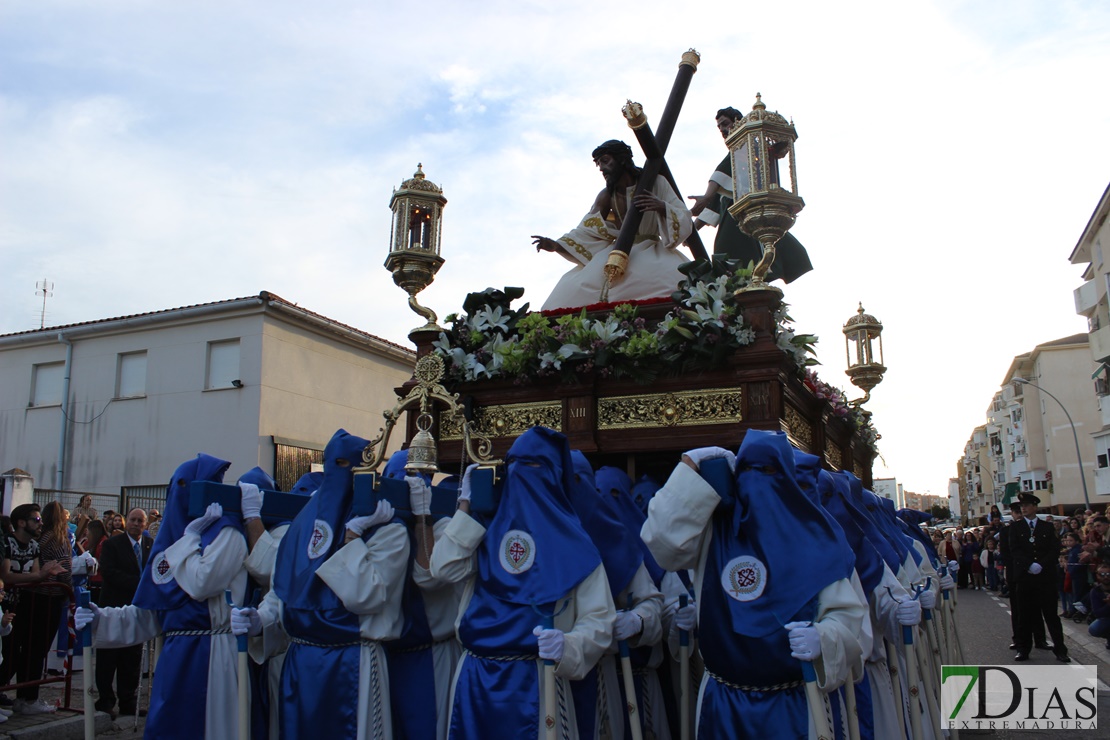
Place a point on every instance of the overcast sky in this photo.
(155, 155)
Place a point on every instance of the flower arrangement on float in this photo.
(490, 340)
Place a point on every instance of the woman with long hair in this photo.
(54, 546)
(85, 508)
(96, 537)
(970, 554)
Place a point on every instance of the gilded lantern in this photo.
(865, 364)
(765, 186)
(414, 245)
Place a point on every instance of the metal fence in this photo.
(143, 497)
(71, 499)
(291, 462)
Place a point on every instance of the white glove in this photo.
(701, 454)
(550, 643)
(245, 622)
(1035, 569)
(953, 567)
(627, 624)
(946, 583)
(928, 599)
(805, 641)
(686, 617)
(86, 616)
(210, 516)
(464, 487)
(908, 613)
(381, 515)
(84, 564)
(251, 501)
(420, 495)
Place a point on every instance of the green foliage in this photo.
(705, 328)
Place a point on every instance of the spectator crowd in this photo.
(1080, 574)
(45, 553)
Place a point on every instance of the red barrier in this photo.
(30, 640)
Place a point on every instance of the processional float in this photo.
(617, 420)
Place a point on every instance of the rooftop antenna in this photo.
(45, 288)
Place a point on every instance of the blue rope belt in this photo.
(738, 687)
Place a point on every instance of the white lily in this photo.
(474, 369)
(608, 330)
(489, 319)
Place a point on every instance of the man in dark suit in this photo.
(1034, 549)
(121, 562)
(1012, 587)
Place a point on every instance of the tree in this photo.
(941, 512)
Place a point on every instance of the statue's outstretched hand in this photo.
(544, 244)
(700, 202)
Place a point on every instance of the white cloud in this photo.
(950, 154)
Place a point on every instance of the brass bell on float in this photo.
(422, 448)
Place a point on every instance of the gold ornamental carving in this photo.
(797, 427)
(506, 420)
(857, 470)
(832, 455)
(423, 397)
(680, 409)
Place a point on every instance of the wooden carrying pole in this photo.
(684, 676)
(550, 708)
(244, 680)
(913, 682)
(630, 686)
(88, 704)
(896, 682)
(850, 706)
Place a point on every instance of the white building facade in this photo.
(118, 403)
(1091, 302)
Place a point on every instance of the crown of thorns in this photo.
(617, 149)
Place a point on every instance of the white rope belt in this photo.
(738, 687)
(502, 657)
(196, 633)
(362, 642)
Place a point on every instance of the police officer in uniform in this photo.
(1034, 548)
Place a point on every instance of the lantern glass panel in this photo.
(741, 171)
(758, 179)
(420, 221)
(776, 151)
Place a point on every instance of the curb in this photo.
(70, 728)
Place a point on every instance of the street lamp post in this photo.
(1074, 434)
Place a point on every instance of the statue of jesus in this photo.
(653, 259)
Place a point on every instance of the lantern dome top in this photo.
(760, 114)
(419, 182)
(862, 318)
(864, 321)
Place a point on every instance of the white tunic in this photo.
(260, 564)
(653, 262)
(678, 533)
(587, 621)
(204, 576)
(368, 577)
(441, 605)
